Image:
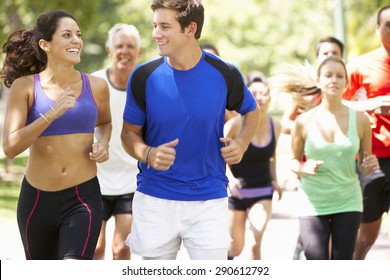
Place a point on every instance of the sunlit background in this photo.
(253, 34)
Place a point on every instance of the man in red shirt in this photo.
(369, 91)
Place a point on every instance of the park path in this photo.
(278, 244)
(279, 239)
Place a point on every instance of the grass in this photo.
(10, 187)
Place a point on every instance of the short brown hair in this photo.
(187, 11)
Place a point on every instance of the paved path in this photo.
(282, 231)
(279, 239)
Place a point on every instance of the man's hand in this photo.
(233, 150)
(162, 157)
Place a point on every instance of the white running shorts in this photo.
(160, 225)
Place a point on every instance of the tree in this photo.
(254, 34)
(361, 21)
(20, 14)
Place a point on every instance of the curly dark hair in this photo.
(23, 54)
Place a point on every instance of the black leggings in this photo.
(316, 232)
(62, 224)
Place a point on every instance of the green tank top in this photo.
(336, 186)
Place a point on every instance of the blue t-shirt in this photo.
(188, 105)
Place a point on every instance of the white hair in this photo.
(123, 27)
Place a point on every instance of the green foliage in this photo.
(137, 13)
(10, 187)
(17, 14)
(361, 23)
(20, 14)
(9, 193)
(254, 34)
(263, 34)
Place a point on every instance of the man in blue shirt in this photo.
(173, 125)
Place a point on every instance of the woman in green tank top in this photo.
(331, 136)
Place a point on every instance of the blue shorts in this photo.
(62, 224)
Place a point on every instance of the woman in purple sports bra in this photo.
(53, 110)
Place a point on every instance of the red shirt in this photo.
(372, 71)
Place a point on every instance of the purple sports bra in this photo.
(80, 119)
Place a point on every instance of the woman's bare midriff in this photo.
(60, 162)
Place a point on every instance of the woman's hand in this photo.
(310, 167)
(234, 186)
(369, 164)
